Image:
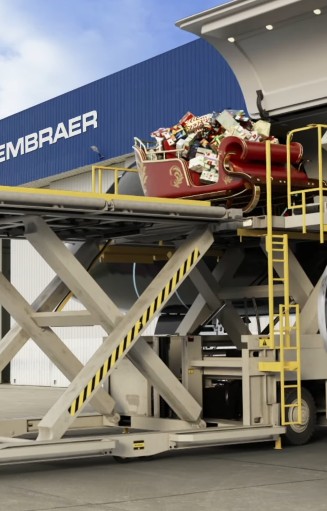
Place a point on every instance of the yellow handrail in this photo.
(269, 244)
(97, 177)
(286, 366)
(320, 189)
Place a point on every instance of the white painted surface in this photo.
(30, 274)
(83, 182)
(285, 63)
(130, 390)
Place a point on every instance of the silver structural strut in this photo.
(125, 330)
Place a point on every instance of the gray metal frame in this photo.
(216, 291)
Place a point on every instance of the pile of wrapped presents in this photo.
(197, 139)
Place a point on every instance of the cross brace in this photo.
(208, 301)
(125, 330)
(45, 338)
(48, 300)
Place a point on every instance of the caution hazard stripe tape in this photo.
(133, 333)
(138, 445)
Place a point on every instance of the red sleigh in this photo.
(241, 173)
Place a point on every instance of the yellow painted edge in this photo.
(260, 233)
(105, 196)
(273, 367)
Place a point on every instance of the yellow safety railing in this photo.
(280, 324)
(277, 251)
(290, 368)
(152, 152)
(303, 193)
(97, 177)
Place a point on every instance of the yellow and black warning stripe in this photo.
(134, 332)
(138, 445)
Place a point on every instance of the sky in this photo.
(49, 47)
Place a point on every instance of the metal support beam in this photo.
(199, 310)
(233, 325)
(205, 284)
(207, 301)
(28, 450)
(5, 265)
(103, 309)
(64, 318)
(124, 335)
(48, 342)
(309, 312)
(300, 285)
(49, 298)
(303, 292)
(247, 292)
(175, 395)
(228, 316)
(65, 265)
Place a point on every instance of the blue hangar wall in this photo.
(56, 135)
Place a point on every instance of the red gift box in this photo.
(169, 145)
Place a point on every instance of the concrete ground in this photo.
(246, 477)
(17, 401)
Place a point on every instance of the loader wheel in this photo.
(120, 459)
(300, 434)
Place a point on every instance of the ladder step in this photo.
(277, 246)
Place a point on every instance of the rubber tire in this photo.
(119, 459)
(292, 436)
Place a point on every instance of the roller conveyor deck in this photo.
(78, 216)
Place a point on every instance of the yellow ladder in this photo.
(288, 363)
(290, 366)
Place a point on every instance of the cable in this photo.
(181, 301)
(134, 281)
(69, 295)
(257, 316)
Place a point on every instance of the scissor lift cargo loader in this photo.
(268, 369)
(46, 231)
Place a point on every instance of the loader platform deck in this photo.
(80, 216)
